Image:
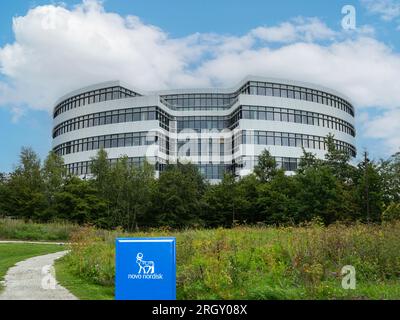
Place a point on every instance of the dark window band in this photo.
(114, 141)
(270, 138)
(220, 101)
(83, 168)
(95, 96)
(112, 117)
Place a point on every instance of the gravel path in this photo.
(34, 279)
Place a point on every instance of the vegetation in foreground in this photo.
(253, 263)
(11, 229)
(11, 253)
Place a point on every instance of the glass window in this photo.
(261, 91)
(262, 140)
(152, 115)
(278, 140)
(136, 116)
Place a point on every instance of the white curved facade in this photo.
(217, 129)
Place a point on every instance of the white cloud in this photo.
(59, 49)
(300, 29)
(387, 9)
(17, 113)
(385, 127)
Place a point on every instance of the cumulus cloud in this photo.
(300, 29)
(385, 127)
(58, 49)
(387, 9)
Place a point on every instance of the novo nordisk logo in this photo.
(146, 270)
(145, 266)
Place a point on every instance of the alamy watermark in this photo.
(49, 278)
(349, 280)
(349, 21)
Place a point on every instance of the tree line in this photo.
(131, 197)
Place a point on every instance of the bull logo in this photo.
(147, 267)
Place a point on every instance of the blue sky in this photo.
(194, 43)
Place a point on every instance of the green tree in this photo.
(142, 184)
(54, 175)
(179, 196)
(4, 193)
(221, 203)
(308, 160)
(78, 201)
(25, 196)
(338, 160)
(369, 190)
(132, 193)
(389, 170)
(276, 200)
(319, 194)
(266, 168)
(100, 169)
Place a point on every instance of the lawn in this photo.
(11, 253)
(81, 287)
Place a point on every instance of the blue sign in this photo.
(145, 269)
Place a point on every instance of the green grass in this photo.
(20, 230)
(254, 263)
(81, 288)
(11, 253)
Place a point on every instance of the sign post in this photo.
(145, 269)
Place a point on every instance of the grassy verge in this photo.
(21, 230)
(256, 263)
(80, 287)
(11, 253)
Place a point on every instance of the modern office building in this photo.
(217, 129)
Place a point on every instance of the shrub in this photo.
(20, 230)
(259, 263)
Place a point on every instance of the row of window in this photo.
(208, 170)
(225, 101)
(214, 171)
(111, 117)
(209, 101)
(94, 96)
(298, 93)
(204, 147)
(204, 122)
(114, 141)
(84, 167)
(200, 147)
(296, 116)
(285, 163)
(199, 101)
(270, 138)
